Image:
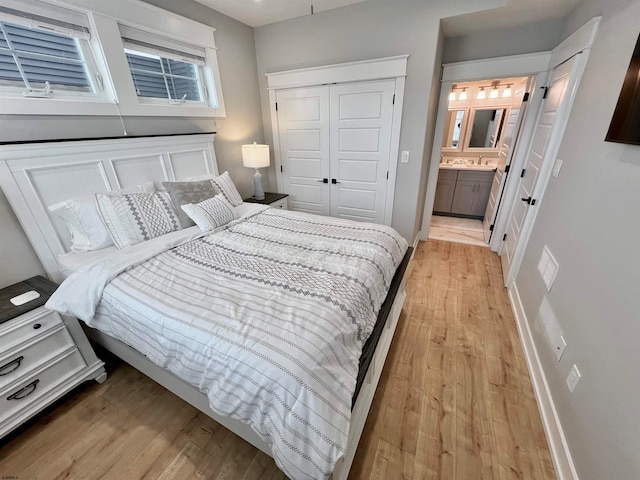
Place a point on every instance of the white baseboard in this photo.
(565, 469)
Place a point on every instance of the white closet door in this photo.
(541, 152)
(361, 120)
(303, 125)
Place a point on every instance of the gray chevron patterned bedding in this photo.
(268, 317)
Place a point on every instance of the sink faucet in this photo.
(480, 160)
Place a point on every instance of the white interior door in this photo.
(509, 139)
(361, 121)
(541, 152)
(303, 128)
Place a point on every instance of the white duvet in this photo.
(266, 315)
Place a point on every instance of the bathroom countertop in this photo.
(475, 168)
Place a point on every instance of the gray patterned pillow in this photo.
(211, 213)
(136, 217)
(226, 187)
(183, 193)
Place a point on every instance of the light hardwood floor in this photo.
(454, 402)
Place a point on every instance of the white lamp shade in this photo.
(255, 155)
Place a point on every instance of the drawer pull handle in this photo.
(24, 392)
(36, 326)
(6, 366)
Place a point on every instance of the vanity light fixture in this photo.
(494, 92)
(463, 94)
(482, 94)
(452, 93)
(507, 91)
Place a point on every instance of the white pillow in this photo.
(135, 217)
(226, 187)
(81, 218)
(211, 213)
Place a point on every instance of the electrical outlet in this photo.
(404, 158)
(573, 378)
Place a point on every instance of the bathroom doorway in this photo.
(480, 133)
(502, 142)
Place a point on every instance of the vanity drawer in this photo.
(478, 177)
(35, 386)
(447, 175)
(29, 326)
(31, 355)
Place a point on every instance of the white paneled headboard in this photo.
(35, 176)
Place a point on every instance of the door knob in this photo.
(334, 181)
(527, 200)
(324, 180)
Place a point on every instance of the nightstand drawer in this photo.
(27, 357)
(30, 325)
(280, 204)
(38, 384)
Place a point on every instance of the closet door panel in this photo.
(303, 126)
(361, 120)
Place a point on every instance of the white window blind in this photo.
(45, 16)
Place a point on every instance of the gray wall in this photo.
(243, 124)
(589, 220)
(373, 29)
(539, 36)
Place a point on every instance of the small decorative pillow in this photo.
(226, 187)
(136, 217)
(182, 193)
(211, 213)
(81, 218)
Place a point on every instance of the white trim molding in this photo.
(558, 447)
(528, 64)
(375, 69)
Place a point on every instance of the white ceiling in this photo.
(517, 12)
(262, 12)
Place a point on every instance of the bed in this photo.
(297, 298)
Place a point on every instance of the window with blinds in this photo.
(30, 58)
(44, 50)
(162, 68)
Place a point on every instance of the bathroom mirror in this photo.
(453, 128)
(487, 127)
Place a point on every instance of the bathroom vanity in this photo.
(463, 190)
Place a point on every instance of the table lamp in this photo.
(256, 156)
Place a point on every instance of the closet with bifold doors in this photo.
(336, 136)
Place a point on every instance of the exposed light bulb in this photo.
(507, 91)
(452, 95)
(482, 94)
(493, 93)
(463, 94)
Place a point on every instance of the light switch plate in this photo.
(404, 158)
(556, 168)
(560, 345)
(573, 378)
(547, 268)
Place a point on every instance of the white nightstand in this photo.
(275, 200)
(43, 355)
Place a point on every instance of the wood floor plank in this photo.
(455, 401)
